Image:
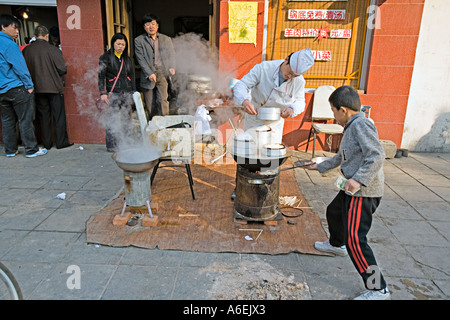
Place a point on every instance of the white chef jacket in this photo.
(262, 87)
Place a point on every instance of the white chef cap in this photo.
(301, 61)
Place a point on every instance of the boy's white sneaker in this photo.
(383, 294)
(327, 247)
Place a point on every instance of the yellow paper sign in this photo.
(242, 21)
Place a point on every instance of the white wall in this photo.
(427, 123)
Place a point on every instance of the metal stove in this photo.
(257, 187)
(136, 165)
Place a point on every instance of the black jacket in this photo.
(109, 66)
(46, 65)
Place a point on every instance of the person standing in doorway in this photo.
(16, 93)
(156, 56)
(47, 68)
(116, 84)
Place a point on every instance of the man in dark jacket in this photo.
(47, 68)
(156, 56)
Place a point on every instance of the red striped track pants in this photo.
(349, 220)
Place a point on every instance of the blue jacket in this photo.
(13, 69)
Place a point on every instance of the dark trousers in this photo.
(349, 220)
(17, 104)
(48, 105)
(160, 107)
(118, 119)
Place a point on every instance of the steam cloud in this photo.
(194, 56)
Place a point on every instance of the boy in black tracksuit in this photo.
(349, 215)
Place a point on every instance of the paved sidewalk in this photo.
(42, 238)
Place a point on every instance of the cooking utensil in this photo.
(182, 124)
(141, 115)
(241, 116)
(299, 164)
(244, 145)
(263, 134)
(232, 126)
(137, 159)
(255, 163)
(274, 150)
(268, 113)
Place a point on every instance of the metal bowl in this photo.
(137, 159)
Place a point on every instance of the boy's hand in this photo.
(352, 186)
(311, 165)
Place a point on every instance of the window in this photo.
(334, 30)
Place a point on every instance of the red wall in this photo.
(391, 65)
(390, 69)
(81, 49)
(239, 58)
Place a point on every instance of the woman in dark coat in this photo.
(118, 96)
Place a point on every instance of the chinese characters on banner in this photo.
(315, 14)
(319, 33)
(321, 55)
(314, 33)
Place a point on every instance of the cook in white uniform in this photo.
(276, 83)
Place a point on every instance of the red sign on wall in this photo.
(321, 55)
(315, 14)
(313, 33)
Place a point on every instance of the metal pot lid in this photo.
(243, 137)
(275, 146)
(263, 129)
(262, 157)
(198, 78)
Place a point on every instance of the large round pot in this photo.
(268, 113)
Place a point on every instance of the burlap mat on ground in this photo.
(207, 224)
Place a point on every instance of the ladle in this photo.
(226, 143)
(298, 166)
(141, 115)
